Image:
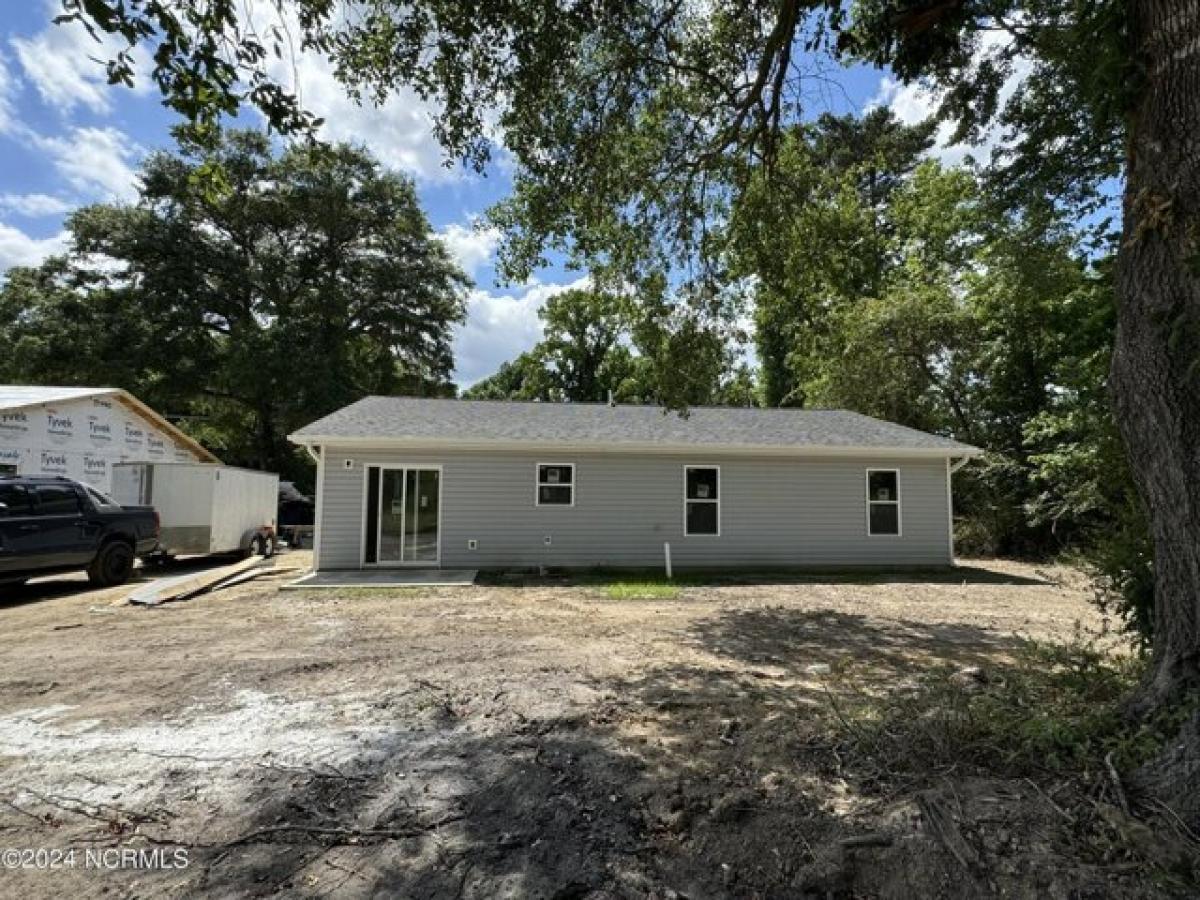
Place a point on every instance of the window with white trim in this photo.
(883, 502)
(555, 484)
(701, 501)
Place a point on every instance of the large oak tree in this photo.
(302, 281)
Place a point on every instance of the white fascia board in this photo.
(378, 443)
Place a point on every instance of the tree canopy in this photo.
(626, 117)
(310, 279)
(596, 347)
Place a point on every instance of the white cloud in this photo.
(471, 246)
(97, 162)
(34, 205)
(19, 249)
(9, 86)
(66, 65)
(399, 133)
(501, 327)
(914, 103)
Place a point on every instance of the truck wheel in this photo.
(112, 566)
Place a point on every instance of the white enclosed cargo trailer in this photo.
(203, 508)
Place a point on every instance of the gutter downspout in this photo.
(318, 456)
(951, 468)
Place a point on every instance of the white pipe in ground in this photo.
(667, 557)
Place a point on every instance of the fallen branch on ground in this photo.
(108, 813)
(876, 839)
(26, 812)
(349, 835)
(334, 771)
(942, 826)
(1122, 801)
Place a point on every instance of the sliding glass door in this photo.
(402, 516)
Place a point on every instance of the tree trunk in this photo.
(268, 447)
(1156, 363)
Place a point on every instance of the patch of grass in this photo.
(732, 577)
(1055, 709)
(641, 590)
(398, 593)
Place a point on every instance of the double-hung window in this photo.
(701, 501)
(555, 484)
(883, 502)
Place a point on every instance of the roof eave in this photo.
(860, 451)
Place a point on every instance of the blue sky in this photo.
(68, 139)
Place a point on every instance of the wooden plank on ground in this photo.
(183, 586)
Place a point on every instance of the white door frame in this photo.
(397, 467)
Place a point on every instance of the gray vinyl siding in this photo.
(774, 511)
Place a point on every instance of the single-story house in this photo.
(82, 432)
(405, 481)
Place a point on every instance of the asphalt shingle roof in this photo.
(500, 421)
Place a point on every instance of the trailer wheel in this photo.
(112, 566)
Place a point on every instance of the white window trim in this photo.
(896, 503)
(537, 484)
(717, 501)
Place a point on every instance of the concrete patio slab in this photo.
(390, 578)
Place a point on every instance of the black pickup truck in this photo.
(50, 525)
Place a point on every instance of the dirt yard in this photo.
(512, 740)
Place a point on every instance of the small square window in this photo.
(555, 484)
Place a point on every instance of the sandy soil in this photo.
(492, 741)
